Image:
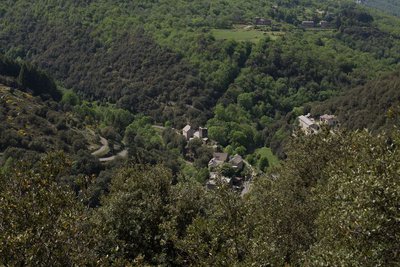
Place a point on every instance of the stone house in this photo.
(329, 120)
(308, 24)
(236, 162)
(201, 133)
(188, 132)
(323, 24)
(308, 124)
(218, 159)
(262, 22)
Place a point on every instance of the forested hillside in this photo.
(162, 59)
(389, 6)
(373, 106)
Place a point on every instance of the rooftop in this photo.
(221, 157)
(187, 128)
(327, 117)
(237, 159)
(306, 120)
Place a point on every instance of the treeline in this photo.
(28, 77)
(334, 202)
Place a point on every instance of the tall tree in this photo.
(42, 223)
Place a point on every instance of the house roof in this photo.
(327, 117)
(187, 128)
(221, 157)
(307, 121)
(237, 159)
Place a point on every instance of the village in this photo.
(315, 23)
(223, 168)
(304, 24)
(309, 125)
(233, 170)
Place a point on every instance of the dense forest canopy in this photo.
(96, 170)
(372, 106)
(389, 6)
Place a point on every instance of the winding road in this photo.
(105, 149)
(122, 154)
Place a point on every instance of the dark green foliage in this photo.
(334, 201)
(28, 78)
(227, 170)
(373, 106)
(389, 6)
(133, 214)
(146, 146)
(9, 67)
(174, 140)
(34, 124)
(42, 223)
(70, 99)
(40, 84)
(359, 206)
(263, 163)
(133, 71)
(84, 163)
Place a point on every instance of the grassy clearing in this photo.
(266, 152)
(243, 34)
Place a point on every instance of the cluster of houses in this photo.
(236, 162)
(258, 21)
(304, 24)
(310, 125)
(311, 24)
(218, 159)
(189, 133)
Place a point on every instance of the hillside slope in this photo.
(154, 57)
(374, 106)
(389, 6)
(161, 58)
(30, 124)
